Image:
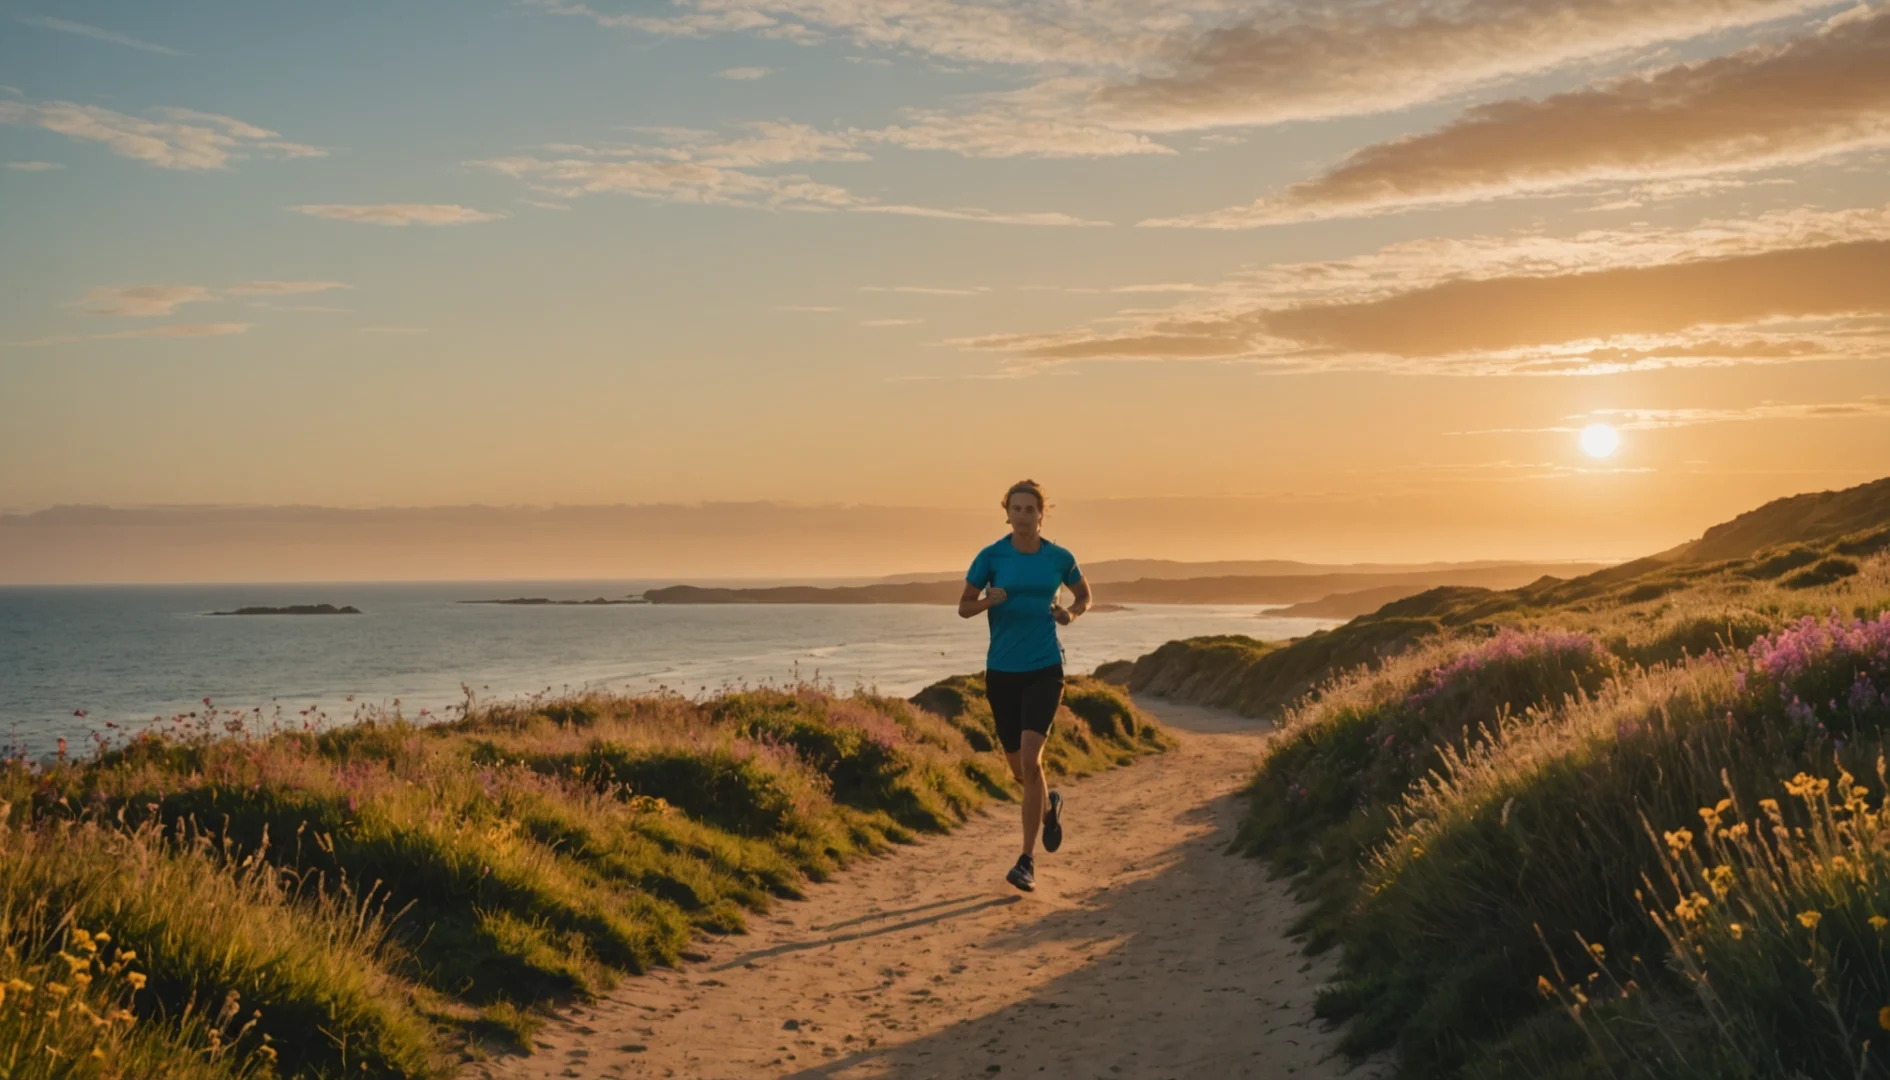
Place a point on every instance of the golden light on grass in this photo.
(1600, 440)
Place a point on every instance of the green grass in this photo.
(374, 900)
(1471, 815)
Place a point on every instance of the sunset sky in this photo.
(1321, 281)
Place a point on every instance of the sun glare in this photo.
(1600, 440)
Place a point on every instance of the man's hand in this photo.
(994, 596)
(1061, 614)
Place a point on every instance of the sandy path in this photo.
(1144, 952)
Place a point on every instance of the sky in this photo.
(1233, 279)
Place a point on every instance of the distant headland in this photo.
(294, 609)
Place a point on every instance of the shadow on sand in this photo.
(1190, 974)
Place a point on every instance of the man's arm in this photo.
(970, 603)
(1080, 599)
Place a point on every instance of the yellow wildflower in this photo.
(102, 938)
(1770, 806)
(1544, 987)
(1722, 806)
(1737, 930)
(1720, 878)
(136, 979)
(19, 986)
(1737, 832)
(1600, 953)
(1878, 922)
(1678, 840)
(1691, 908)
(1710, 816)
(1883, 1018)
(1809, 919)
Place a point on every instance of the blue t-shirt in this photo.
(1023, 632)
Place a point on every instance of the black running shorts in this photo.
(1023, 701)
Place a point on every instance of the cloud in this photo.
(69, 27)
(399, 214)
(745, 74)
(1102, 32)
(1045, 120)
(1820, 95)
(180, 330)
(186, 140)
(34, 166)
(284, 288)
(690, 166)
(1791, 286)
(1117, 71)
(1348, 59)
(142, 301)
(159, 301)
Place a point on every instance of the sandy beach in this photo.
(1145, 951)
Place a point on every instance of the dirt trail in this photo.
(1144, 952)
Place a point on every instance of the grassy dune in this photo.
(377, 900)
(1632, 825)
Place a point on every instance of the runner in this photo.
(1014, 582)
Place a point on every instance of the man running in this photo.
(1014, 582)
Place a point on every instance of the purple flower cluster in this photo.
(1841, 664)
(1510, 647)
(1815, 644)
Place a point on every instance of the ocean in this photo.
(127, 656)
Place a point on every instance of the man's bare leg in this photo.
(1027, 766)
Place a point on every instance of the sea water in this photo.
(130, 655)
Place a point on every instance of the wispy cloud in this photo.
(1119, 70)
(745, 74)
(1785, 287)
(1314, 61)
(141, 301)
(398, 214)
(186, 139)
(69, 27)
(34, 166)
(689, 166)
(160, 301)
(285, 288)
(1814, 97)
(181, 330)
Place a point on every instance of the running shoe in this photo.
(1053, 823)
(1021, 875)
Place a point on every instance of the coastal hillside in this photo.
(1261, 679)
(1635, 824)
(386, 899)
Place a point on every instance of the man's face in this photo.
(1024, 512)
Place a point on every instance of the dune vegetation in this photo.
(1631, 825)
(385, 898)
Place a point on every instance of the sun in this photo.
(1600, 440)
